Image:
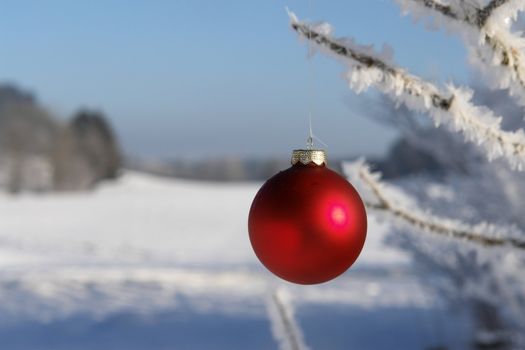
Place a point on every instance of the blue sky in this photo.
(200, 78)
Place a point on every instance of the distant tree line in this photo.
(39, 152)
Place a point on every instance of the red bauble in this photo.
(307, 224)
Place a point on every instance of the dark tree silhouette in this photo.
(86, 153)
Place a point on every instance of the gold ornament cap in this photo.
(306, 156)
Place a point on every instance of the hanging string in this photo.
(311, 90)
(310, 139)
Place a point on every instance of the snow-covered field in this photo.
(154, 263)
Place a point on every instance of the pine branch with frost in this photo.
(497, 51)
(284, 326)
(451, 106)
(379, 199)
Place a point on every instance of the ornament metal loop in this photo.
(306, 156)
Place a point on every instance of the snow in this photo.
(158, 260)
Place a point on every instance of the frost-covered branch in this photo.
(483, 234)
(486, 30)
(284, 327)
(451, 106)
(445, 10)
(469, 12)
(510, 8)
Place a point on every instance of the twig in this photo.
(284, 327)
(435, 225)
